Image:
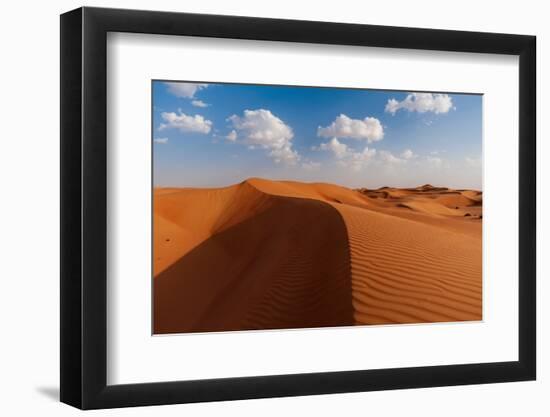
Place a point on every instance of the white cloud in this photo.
(261, 128)
(199, 103)
(369, 129)
(347, 157)
(185, 123)
(421, 103)
(360, 159)
(339, 149)
(408, 154)
(232, 136)
(184, 90)
(162, 141)
(285, 155)
(389, 158)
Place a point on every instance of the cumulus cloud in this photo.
(360, 159)
(339, 149)
(369, 129)
(356, 160)
(389, 158)
(421, 103)
(162, 141)
(199, 103)
(185, 123)
(346, 156)
(285, 155)
(261, 128)
(184, 90)
(232, 136)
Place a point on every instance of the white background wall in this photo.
(29, 237)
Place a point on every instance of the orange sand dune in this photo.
(408, 272)
(264, 262)
(187, 217)
(281, 254)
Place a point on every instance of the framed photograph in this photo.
(260, 208)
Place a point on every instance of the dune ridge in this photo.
(187, 217)
(286, 266)
(406, 272)
(268, 254)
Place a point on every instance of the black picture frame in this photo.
(84, 207)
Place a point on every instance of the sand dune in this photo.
(408, 272)
(284, 264)
(280, 254)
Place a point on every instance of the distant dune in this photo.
(278, 254)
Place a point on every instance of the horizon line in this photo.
(316, 182)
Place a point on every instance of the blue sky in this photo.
(211, 135)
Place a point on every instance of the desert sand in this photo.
(268, 254)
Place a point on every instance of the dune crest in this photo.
(269, 262)
(187, 217)
(268, 254)
(408, 272)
